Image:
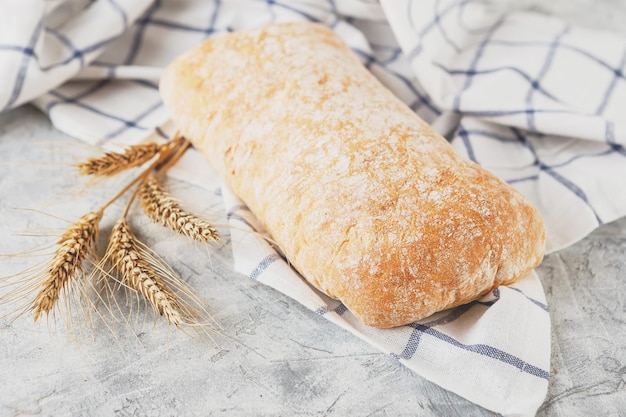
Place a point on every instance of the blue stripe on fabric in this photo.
(394, 52)
(179, 26)
(147, 19)
(91, 48)
(65, 100)
(161, 133)
(461, 13)
(411, 346)
(481, 349)
(523, 179)
(609, 136)
(272, 13)
(293, 9)
(232, 214)
(609, 91)
(17, 48)
(468, 145)
(140, 25)
(454, 314)
(112, 75)
(504, 113)
(146, 83)
(491, 135)
(567, 183)
(518, 133)
(262, 266)
(617, 71)
(111, 68)
(367, 57)
(322, 310)
(233, 210)
(418, 48)
(479, 52)
(393, 56)
(76, 52)
(535, 84)
(134, 122)
(572, 187)
(530, 117)
(99, 44)
(522, 138)
(171, 25)
(550, 169)
(413, 53)
(340, 310)
(121, 11)
(18, 84)
(579, 156)
(545, 167)
(618, 149)
(491, 352)
(532, 300)
(444, 34)
(211, 29)
(486, 303)
(423, 98)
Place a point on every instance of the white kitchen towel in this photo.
(530, 98)
(541, 103)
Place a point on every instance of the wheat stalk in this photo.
(114, 162)
(138, 274)
(76, 243)
(161, 208)
(126, 260)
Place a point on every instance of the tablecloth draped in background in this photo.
(530, 98)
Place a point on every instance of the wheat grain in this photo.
(75, 244)
(139, 275)
(161, 208)
(114, 162)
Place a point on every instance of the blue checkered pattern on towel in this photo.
(530, 98)
(538, 102)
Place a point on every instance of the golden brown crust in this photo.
(364, 199)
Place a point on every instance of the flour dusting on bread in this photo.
(366, 201)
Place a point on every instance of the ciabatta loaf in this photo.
(364, 199)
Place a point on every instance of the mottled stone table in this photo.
(273, 357)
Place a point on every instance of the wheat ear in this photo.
(75, 244)
(114, 162)
(161, 208)
(138, 274)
